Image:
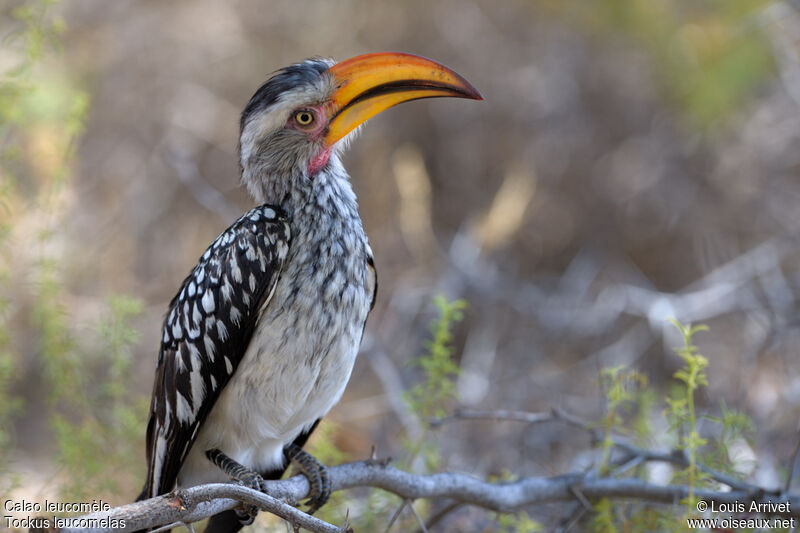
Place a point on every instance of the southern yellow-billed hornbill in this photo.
(260, 340)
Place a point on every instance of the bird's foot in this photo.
(315, 472)
(241, 475)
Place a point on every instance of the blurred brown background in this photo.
(631, 162)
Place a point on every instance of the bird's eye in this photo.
(304, 118)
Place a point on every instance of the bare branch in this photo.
(196, 503)
(200, 502)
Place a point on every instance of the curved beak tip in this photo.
(475, 95)
(467, 90)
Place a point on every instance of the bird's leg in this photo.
(242, 475)
(235, 471)
(315, 472)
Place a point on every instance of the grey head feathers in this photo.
(284, 82)
(274, 158)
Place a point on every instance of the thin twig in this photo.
(395, 515)
(167, 527)
(792, 465)
(576, 491)
(500, 414)
(676, 457)
(420, 521)
(441, 514)
(576, 512)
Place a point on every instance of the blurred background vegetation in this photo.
(633, 161)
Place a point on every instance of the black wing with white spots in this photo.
(208, 327)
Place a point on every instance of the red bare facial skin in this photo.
(315, 131)
(319, 161)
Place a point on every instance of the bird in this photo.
(260, 340)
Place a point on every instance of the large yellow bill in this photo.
(371, 83)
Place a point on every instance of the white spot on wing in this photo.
(179, 362)
(197, 316)
(226, 290)
(208, 301)
(195, 355)
(236, 272)
(228, 365)
(183, 410)
(198, 389)
(167, 416)
(210, 347)
(236, 316)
